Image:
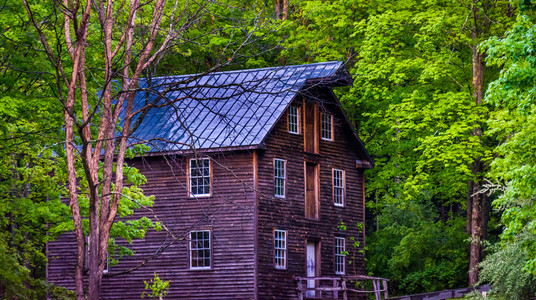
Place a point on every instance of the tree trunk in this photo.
(281, 9)
(477, 212)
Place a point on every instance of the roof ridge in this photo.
(246, 70)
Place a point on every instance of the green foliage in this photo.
(124, 228)
(514, 89)
(158, 288)
(504, 269)
(353, 252)
(342, 226)
(417, 252)
(32, 165)
(31, 212)
(233, 35)
(514, 124)
(412, 104)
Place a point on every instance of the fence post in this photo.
(300, 290)
(385, 288)
(344, 293)
(335, 292)
(376, 286)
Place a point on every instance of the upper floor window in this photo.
(280, 177)
(280, 255)
(327, 127)
(340, 255)
(200, 254)
(338, 187)
(294, 119)
(199, 177)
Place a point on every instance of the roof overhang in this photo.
(341, 77)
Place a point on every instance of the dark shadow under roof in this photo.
(234, 109)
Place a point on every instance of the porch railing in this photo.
(326, 287)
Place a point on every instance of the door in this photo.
(311, 267)
(311, 128)
(312, 204)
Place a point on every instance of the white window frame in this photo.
(326, 121)
(340, 256)
(195, 249)
(280, 177)
(106, 264)
(339, 187)
(191, 177)
(293, 115)
(280, 249)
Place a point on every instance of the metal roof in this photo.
(223, 109)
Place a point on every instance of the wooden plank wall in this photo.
(289, 213)
(229, 213)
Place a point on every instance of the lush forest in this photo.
(443, 97)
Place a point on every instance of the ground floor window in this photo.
(200, 254)
(280, 249)
(340, 255)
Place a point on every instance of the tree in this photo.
(31, 212)
(98, 51)
(513, 169)
(425, 123)
(72, 87)
(419, 80)
(415, 252)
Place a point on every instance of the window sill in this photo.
(201, 269)
(200, 196)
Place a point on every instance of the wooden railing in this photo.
(326, 287)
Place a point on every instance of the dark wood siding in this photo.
(289, 213)
(229, 214)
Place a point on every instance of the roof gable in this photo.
(234, 109)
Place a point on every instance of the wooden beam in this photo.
(363, 164)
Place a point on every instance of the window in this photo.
(338, 187)
(279, 177)
(199, 177)
(340, 255)
(106, 263)
(200, 257)
(87, 251)
(294, 119)
(280, 255)
(327, 127)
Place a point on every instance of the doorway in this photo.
(313, 268)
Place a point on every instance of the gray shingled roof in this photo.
(224, 109)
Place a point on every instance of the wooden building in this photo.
(258, 175)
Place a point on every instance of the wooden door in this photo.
(311, 128)
(312, 205)
(311, 267)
